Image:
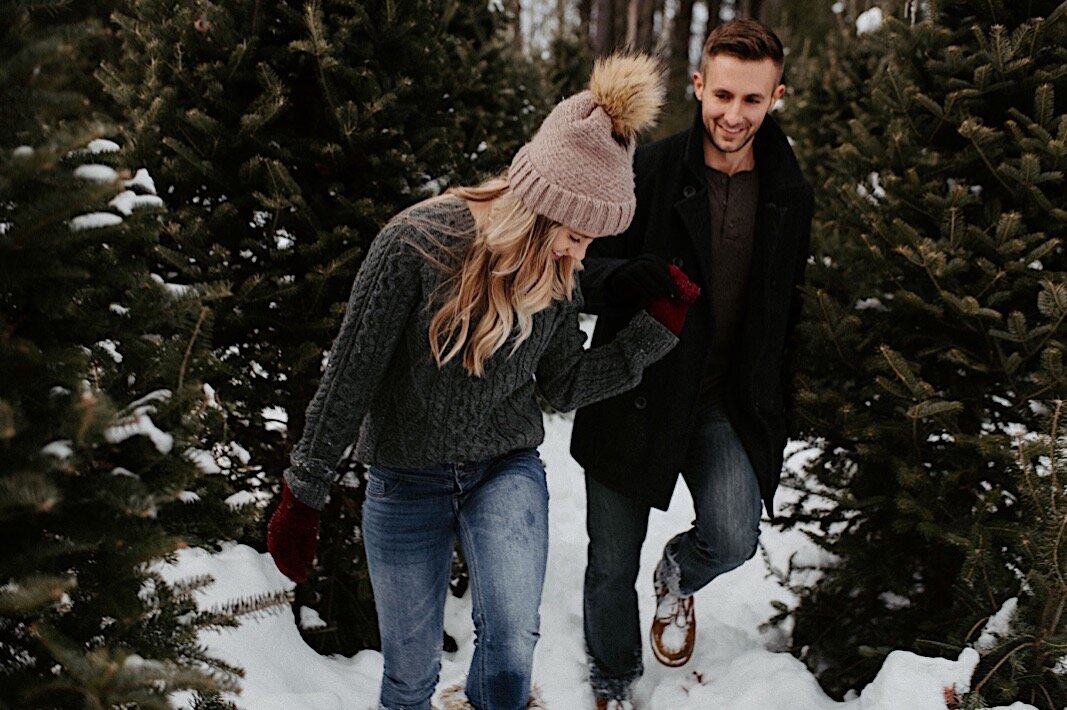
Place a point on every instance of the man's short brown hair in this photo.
(746, 39)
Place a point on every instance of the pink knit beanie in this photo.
(578, 169)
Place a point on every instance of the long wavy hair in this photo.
(505, 275)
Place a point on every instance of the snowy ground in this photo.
(736, 666)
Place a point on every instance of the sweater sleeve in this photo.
(569, 376)
(383, 295)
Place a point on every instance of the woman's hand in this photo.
(292, 534)
(671, 310)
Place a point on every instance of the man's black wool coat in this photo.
(635, 443)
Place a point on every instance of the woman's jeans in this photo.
(725, 534)
(498, 509)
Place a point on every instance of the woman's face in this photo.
(569, 242)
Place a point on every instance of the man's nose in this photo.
(733, 113)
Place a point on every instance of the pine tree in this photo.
(283, 136)
(50, 50)
(934, 334)
(103, 424)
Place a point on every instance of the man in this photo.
(726, 202)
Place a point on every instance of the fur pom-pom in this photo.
(630, 89)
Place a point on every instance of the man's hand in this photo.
(640, 280)
(292, 534)
(670, 311)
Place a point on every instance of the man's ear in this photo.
(698, 85)
(778, 93)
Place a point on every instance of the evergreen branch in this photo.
(1031, 643)
(1053, 459)
(970, 135)
(189, 347)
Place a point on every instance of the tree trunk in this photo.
(678, 110)
(681, 35)
(771, 13)
(514, 10)
(633, 8)
(748, 8)
(714, 8)
(621, 14)
(585, 16)
(604, 36)
(646, 10)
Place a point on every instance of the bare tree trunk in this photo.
(681, 35)
(633, 7)
(514, 10)
(585, 16)
(771, 12)
(714, 9)
(604, 35)
(646, 20)
(621, 14)
(679, 109)
(663, 39)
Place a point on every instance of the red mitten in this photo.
(292, 534)
(670, 311)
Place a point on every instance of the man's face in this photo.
(735, 96)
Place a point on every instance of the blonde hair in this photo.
(505, 276)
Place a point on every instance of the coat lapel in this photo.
(693, 208)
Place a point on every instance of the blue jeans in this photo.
(498, 509)
(724, 535)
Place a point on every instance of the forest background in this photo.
(187, 190)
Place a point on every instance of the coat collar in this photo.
(775, 162)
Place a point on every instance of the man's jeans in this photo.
(498, 509)
(725, 534)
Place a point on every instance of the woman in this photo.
(465, 308)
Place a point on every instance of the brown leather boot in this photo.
(674, 627)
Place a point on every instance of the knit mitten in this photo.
(671, 311)
(292, 534)
(640, 280)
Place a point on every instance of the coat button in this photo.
(640, 402)
(689, 190)
(677, 261)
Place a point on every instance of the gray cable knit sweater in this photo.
(383, 391)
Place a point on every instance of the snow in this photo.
(127, 201)
(738, 663)
(275, 419)
(135, 421)
(142, 180)
(869, 21)
(101, 145)
(111, 349)
(998, 626)
(175, 290)
(94, 220)
(204, 461)
(22, 151)
(188, 497)
(241, 498)
(61, 449)
(96, 173)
